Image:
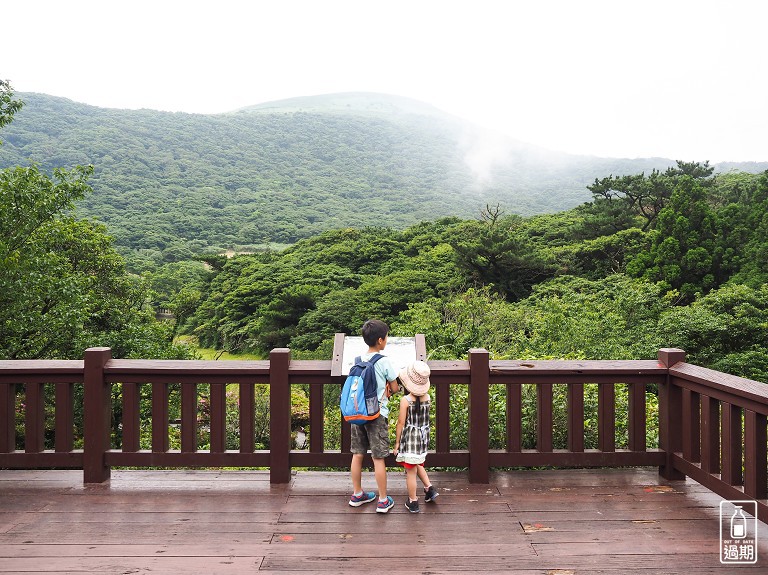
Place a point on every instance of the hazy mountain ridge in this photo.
(284, 170)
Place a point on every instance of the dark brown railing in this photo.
(711, 426)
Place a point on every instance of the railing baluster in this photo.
(575, 417)
(514, 418)
(316, 419)
(691, 426)
(34, 417)
(189, 418)
(346, 437)
(218, 407)
(247, 425)
(606, 417)
(636, 418)
(755, 458)
(65, 417)
(544, 417)
(710, 435)
(131, 417)
(731, 471)
(160, 417)
(442, 418)
(7, 417)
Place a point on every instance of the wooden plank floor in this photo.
(524, 522)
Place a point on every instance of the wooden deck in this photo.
(544, 522)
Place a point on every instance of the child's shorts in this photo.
(374, 435)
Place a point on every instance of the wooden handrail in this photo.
(723, 423)
(701, 433)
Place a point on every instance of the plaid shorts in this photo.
(374, 435)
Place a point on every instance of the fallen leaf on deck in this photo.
(658, 489)
(536, 527)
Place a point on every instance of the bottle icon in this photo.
(738, 524)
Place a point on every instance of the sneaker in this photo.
(412, 506)
(430, 494)
(358, 500)
(385, 506)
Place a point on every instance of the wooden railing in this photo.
(711, 426)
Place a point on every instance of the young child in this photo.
(412, 440)
(374, 435)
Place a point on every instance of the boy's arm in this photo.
(390, 375)
(392, 387)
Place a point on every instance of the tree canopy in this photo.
(520, 287)
(63, 287)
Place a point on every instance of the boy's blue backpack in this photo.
(359, 400)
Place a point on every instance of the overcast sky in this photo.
(672, 78)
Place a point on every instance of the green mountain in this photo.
(286, 170)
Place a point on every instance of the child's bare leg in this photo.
(356, 472)
(380, 472)
(410, 482)
(422, 473)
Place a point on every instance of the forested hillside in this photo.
(168, 185)
(669, 259)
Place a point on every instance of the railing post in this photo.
(279, 416)
(670, 414)
(479, 380)
(96, 416)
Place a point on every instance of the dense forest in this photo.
(170, 185)
(674, 257)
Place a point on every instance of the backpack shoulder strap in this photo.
(376, 357)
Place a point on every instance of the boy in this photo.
(374, 435)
